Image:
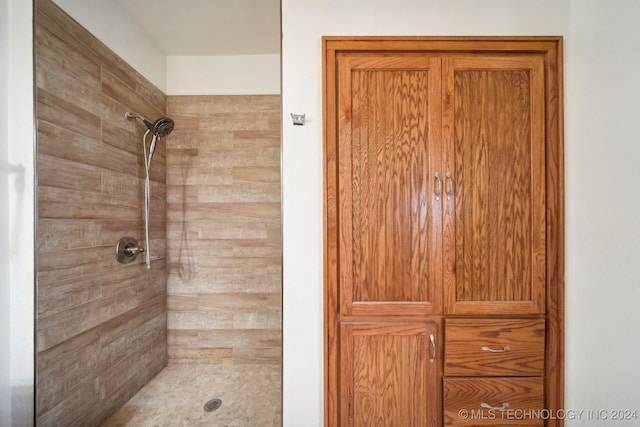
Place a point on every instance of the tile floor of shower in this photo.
(250, 396)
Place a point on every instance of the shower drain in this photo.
(212, 405)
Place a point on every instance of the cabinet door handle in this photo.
(438, 186)
(504, 406)
(492, 350)
(449, 185)
(432, 356)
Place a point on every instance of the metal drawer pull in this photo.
(438, 186)
(491, 350)
(432, 356)
(504, 406)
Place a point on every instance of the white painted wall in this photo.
(603, 208)
(16, 214)
(110, 23)
(5, 293)
(223, 75)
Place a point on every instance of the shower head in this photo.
(161, 127)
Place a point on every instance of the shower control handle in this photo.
(133, 250)
(127, 249)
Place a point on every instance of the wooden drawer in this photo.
(493, 401)
(494, 347)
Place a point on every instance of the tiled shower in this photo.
(212, 297)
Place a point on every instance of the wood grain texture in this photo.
(466, 396)
(387, 379)
(465, 338)
(554, 386)
(101, 326)
(223, 230)
(497, 162)
(387, 161)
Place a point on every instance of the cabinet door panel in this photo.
(389, 151)
(495, 207)
(387, 375)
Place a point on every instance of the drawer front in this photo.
(493, 401)
(494, 347)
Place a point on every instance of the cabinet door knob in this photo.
(432, 356)
(438, 186)
(492, 350)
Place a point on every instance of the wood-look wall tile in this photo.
(264, 175)
(142, 336)
(200, 319)
(255, 356)
(131, 366)
(185, 278)
(118, 130)
(257, 319)
(259, 140)
(225, 318)
(61, 56)
(53, 109)
(149, 92)
(207, 104)
(56, 141)
(115, 88)
(55, 172)
(69, 294)
(238, 301)
(65, 368)
(101, 326)
(122, 329)
(68, 88)
(185, 122)
(53, 330)
(62, 203)
(56, 234)
(188, 355)
(223, 338)
(223, 228)
(72, 406)
(181, 176)
(227, 248)
(239, 192)
(221, 211)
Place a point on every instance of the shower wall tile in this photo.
(223, 230)
(101, 326)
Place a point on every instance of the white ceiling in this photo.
(209, 27)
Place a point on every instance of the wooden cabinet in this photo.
(389, 374)
(443, 207)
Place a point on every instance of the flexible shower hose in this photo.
(147, 191)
